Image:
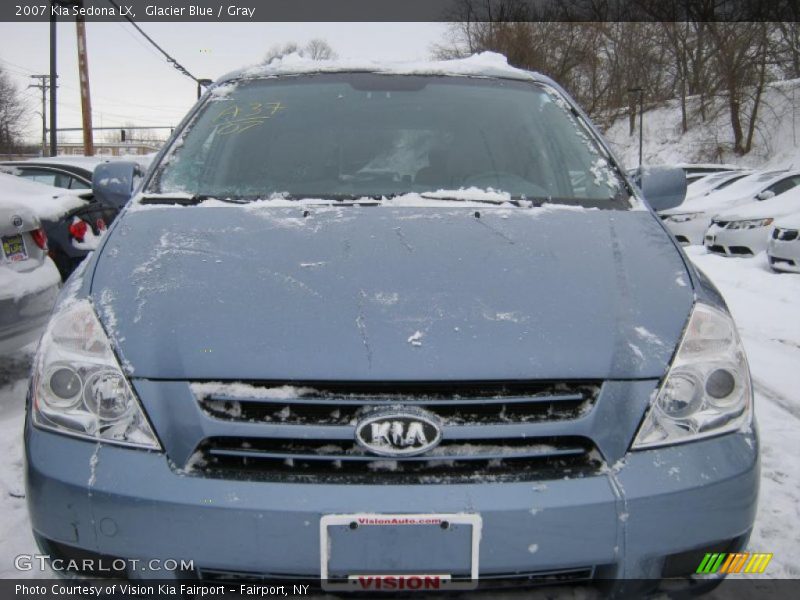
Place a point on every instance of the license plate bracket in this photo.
(399, 552)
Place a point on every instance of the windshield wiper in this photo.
(515, 200)
(184, 199)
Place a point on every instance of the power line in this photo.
(169, 58)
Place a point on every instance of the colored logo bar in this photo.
(737, 562)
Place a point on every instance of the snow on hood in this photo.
(790, 222)
(393, 294)
(484, 64)
(783, 205)
(48, 202)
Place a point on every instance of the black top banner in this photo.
(400, 10)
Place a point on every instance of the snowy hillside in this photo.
(776, 142)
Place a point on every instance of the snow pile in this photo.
(49, 203)
(776, 142)
(484, 64)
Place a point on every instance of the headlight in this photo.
(750, 224)
(707, 389)
(683, 218)
(78, 386)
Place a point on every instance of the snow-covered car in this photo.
(696, 171)
(713, 182)
(29, 280)
(53, 172)
(783, 251)
(689, 221)
(746, 229)
(74, 220)
(411, 319)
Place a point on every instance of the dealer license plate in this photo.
(14, 248)
(399, 552)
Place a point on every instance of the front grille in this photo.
(716, 248)
(741, 250)
(309, 432)
(344, 405)
(786, 235)
(720, 224)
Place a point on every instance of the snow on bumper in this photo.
(784, 255)
(26, 300)
(736, 242)
(689, 232)
(130, 503)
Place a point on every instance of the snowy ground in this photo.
(765, 306)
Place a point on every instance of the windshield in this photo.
(351, 135)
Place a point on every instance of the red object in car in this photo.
(78, 229)
(40, 238)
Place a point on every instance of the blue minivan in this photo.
(390, 326)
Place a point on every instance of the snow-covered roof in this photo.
(783, 205)
(48, 202)
(485, 64)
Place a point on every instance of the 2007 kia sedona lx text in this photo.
(403, 322)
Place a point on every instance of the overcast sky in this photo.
(131, 83)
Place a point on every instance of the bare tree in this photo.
(12, 114)
(316, 49)
(319, 49)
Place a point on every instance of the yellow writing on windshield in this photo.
(237, 118)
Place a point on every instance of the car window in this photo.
(722, 186)
(78, 184)
(784, 185)
(47, 177)
(39, 176)
(377, 135)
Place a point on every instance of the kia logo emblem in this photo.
(16, 221)
(399, 432)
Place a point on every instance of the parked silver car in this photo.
(29, 280)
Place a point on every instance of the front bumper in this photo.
(621, 522)
(784, 255)
(689, 232)
(736, 242)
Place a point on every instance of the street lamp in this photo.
(640, 91)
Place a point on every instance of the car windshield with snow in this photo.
(388, 324)
(356, 135)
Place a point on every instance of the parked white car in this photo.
(745, 230)
(29, 281)
(783, 250)
(711, 183)
(689, 221)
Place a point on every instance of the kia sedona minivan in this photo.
(391, 323)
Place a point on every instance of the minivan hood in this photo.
(391, 294)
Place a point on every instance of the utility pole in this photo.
(86, 100)
(43, 84)
(640, 91)
(53, 79)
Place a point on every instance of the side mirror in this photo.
(765, 195)
(114, 182)
(662, 187)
